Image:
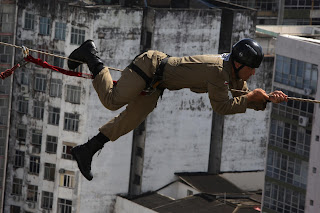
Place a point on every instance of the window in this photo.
(4, 102)
(2, 141)
(19, 159)
(32, 193)
(314, 170)
(5, 51)
(189, 192)
(73, 94)
(57, 61)
(44, 26)
(47, 200)
(51, 144)
(7, 17)
(55, 88)
(296, 73)
(71, 122)
(44, 56)
(22, 133)
(40, 82)
(54, 116)
(67, 179)
(4, 84)
(38, 109)
(64, 206)
(79, 69)
(23, 105)
(36, 137)
(49, 171)
(282, 199)
(34, 165)
(287, 169)
(16, 186)
(77, 36)
(66, 150)
(14, 209)
(29, 21)
(60, 31)
(311, 202)
(24, 77)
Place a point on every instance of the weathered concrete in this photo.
(116, 32)
(179, 129)
(245, 135)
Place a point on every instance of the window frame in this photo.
(44, 26)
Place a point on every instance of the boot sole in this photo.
(71, 64)
(75, 157)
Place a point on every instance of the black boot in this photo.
(87, 54)
(83, 155)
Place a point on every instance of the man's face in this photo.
(246, 72)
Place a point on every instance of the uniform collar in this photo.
(226, 56)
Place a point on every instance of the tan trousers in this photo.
(127, 91)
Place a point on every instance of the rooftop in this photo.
(216, 195)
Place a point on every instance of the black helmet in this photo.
(247, 52)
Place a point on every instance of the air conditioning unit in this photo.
(62, 171)
(24, 88)
(303, 121)
(307, 91)
(31, 205)
(16, 198)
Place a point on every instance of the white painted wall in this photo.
(246, 181)
(126, 206)
(179, 129)
(122, 30)
(177, 190)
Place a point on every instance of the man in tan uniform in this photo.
(154, 71)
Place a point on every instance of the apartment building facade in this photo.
(7, 34)
(284, 12)
(291, 171)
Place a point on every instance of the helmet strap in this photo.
(236, 70)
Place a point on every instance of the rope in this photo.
(289, 98)
(50, 54)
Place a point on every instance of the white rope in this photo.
(24, 49)
(289, 98)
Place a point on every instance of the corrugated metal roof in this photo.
(208, 183)
(152, 200)
(200, 203)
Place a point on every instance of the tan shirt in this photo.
(209, 73)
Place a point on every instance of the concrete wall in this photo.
(116, 32)
(121, 30)
(246, 181)
(126, 206)
(177, 190)
(178, 130)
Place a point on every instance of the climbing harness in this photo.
(151, 83)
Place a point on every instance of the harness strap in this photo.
(158, 76)
(151, 83)
(141, 73)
